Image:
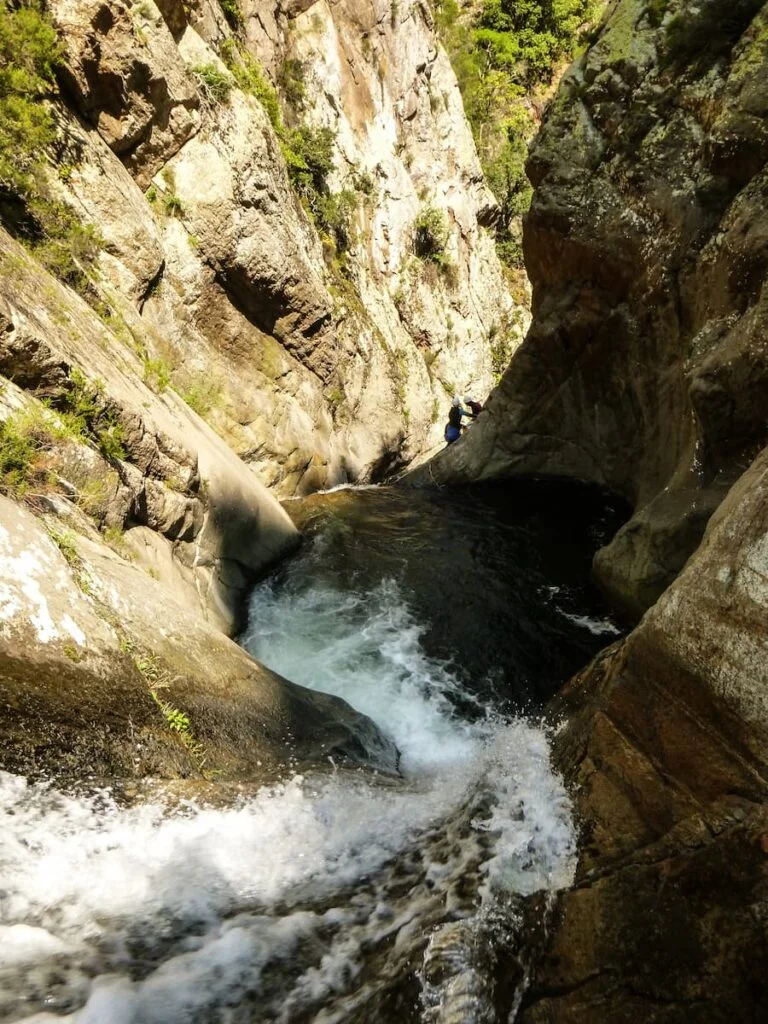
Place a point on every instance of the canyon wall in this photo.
(238, 301)
(646, 365)
(664, 743)
(646, 371)
(322, 348)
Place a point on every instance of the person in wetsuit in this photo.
(475, 408)
(453, 426)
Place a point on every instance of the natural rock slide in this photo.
(230, 348)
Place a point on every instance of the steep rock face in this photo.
(128, 80)
(666, 752)
(202, 517)
(646, 366)
(315, 368)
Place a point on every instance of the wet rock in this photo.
(646, 368)
(665, 748)
(86, 640)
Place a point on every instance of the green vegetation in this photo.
(656, 10)
(73, 653)
(291, 79)
(501, 53)
(308, 155)
(24, 440)
(29, 51)
(65, 542)
(203, 393)
(157, 679)
(216, 84)
(157, 374)
(87, 414)
(29, 438)
(250, 77)
(307, 151)
(114, 537)
(430, 236)
(232, 13)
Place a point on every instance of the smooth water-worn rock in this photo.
(646, 366)
(665, 748)
(176, 476)
(98, 662)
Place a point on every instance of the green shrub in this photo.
(501, 342)
(500, 52)
(509, 250)
(203, 394)
(250, 77)
(309, 156)
(65, 542)
(20, 446)
(430, 236)
(291, 79)
(656, 10)
(232, 13)
(173, 205)
(157, 374)
(363, 182)
(88, 414)
(29, 51)
(216, 84)
(334, 215)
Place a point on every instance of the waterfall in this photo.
(334, 895)
(274, 907)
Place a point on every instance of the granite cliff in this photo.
(255, 256)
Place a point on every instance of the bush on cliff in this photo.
(29, 52)
(501, 53)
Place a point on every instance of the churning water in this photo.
(337, 896)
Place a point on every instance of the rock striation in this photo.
(223, 345)
(316, 365)
(646, 365)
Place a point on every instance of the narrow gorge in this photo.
(305, 715)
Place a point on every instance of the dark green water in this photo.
(497, 576)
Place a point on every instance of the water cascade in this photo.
(336, 894)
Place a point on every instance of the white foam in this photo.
(365, 647)
(218, 903)
(599, 627)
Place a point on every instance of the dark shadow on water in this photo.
(498, 575)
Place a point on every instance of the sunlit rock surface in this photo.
(95, 657)
(316, 366)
